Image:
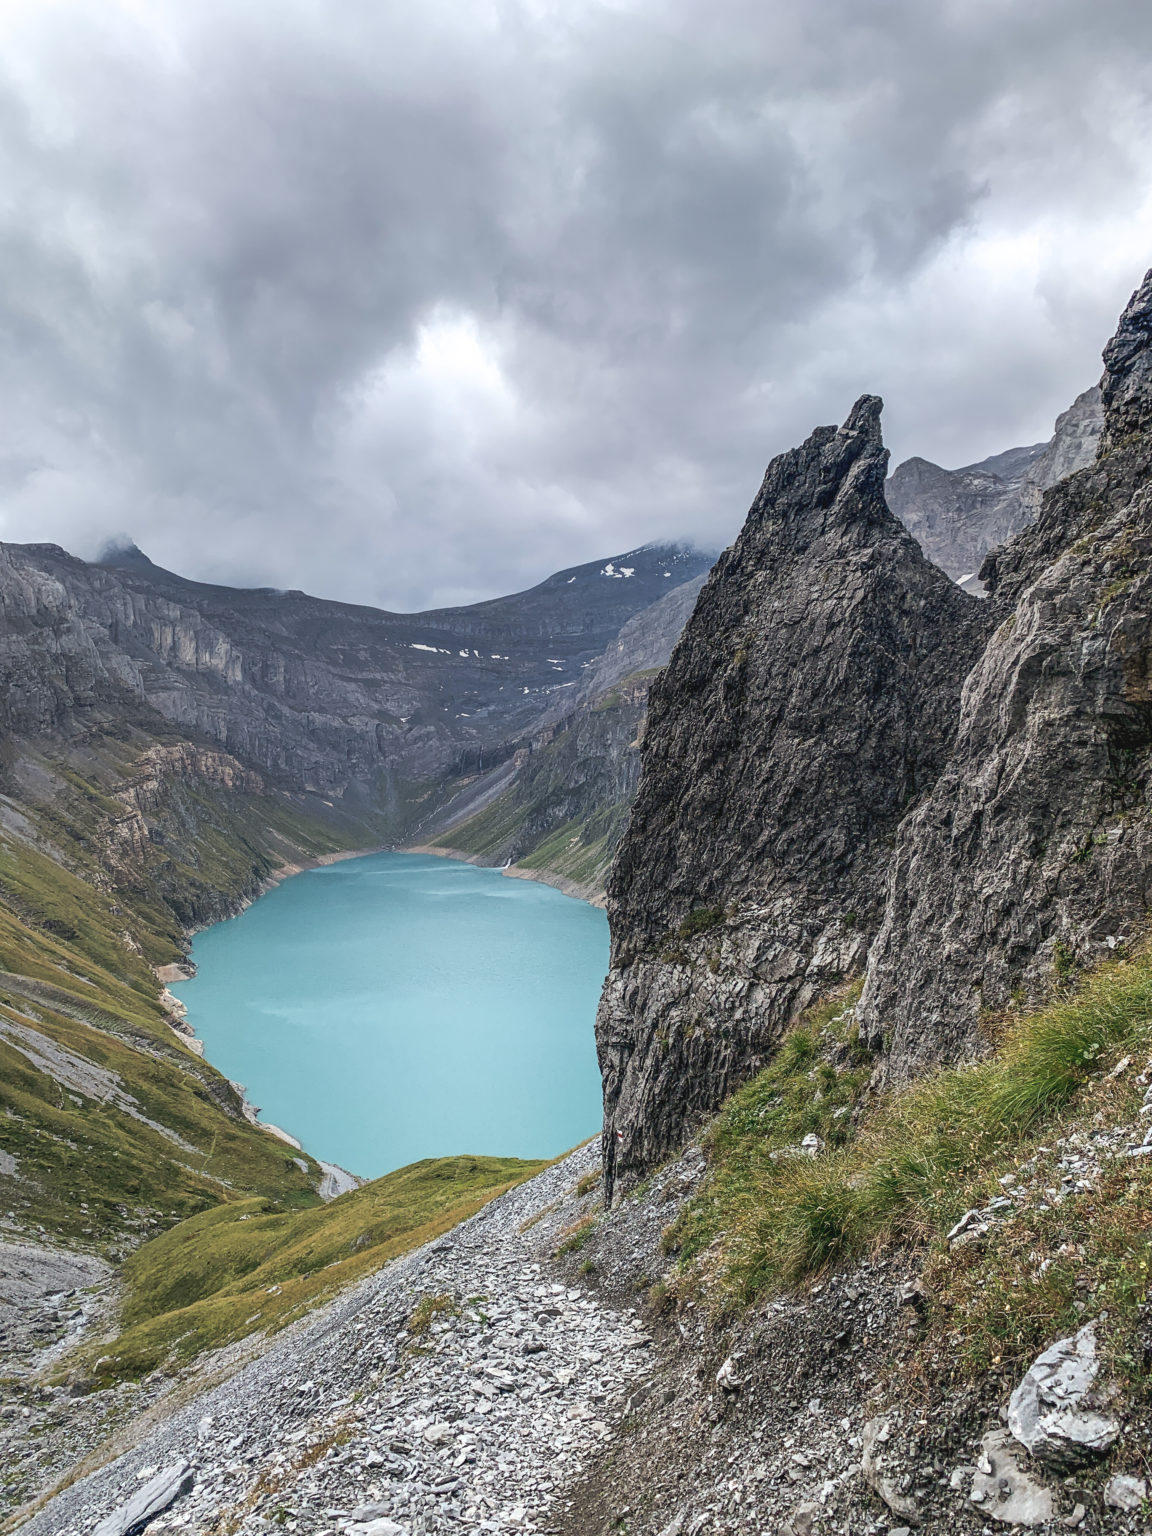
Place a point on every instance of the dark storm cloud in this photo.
(411, 304)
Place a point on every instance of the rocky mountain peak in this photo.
(1126, 387)
(834, 471)
(811, 696)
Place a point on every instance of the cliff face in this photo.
(559, 807)
(645, 643)
(343, 701)
(1032, 853)
(959, 515)
(811, 699)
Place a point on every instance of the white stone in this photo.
(728, 1377)
(1124, 1492)
(1052, 1412)
(1005, 1491)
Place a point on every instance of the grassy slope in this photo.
(254, 1266)
(77, 948)
(563, 815)
(904, 1166)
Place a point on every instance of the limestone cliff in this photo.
(810, 700)
(1033, 853)
(348, 703)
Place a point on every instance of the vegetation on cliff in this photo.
(992, 1139)
(110, 1124)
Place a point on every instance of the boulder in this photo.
(153, 1499)
(1002, 1489)
(1055, 1412)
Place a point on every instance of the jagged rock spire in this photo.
(810, 698)
(1127, 383)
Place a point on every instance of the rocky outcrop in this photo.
(810, 701)
(959, 515)
(1073, 446)
(1033, 852)
(128, 839)
(1059, 1412)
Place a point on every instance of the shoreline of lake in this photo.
(588, 893)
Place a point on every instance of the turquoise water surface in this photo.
(397, 1006)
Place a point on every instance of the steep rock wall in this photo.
(347, 702)
(811, 698)
(1033, 853)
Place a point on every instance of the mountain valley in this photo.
(875, 1037)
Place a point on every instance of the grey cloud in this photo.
(415, 304)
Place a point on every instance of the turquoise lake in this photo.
(397, 1006)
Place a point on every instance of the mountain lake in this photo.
(396, 1006)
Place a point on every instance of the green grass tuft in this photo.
(904, 1165)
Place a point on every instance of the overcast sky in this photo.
(414, 303)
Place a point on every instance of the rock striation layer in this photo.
(1033, 852)
(810, 701)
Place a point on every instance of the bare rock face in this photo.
(1033, 852)
(1073, 446)
(346, 702)
(810, 701)
(959, 515)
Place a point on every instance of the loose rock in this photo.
(1124, 1492)
(152, 1500)
(1054, 1412)
(1003, 1490)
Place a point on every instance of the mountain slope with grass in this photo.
(557, 811)
(111, 1124)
